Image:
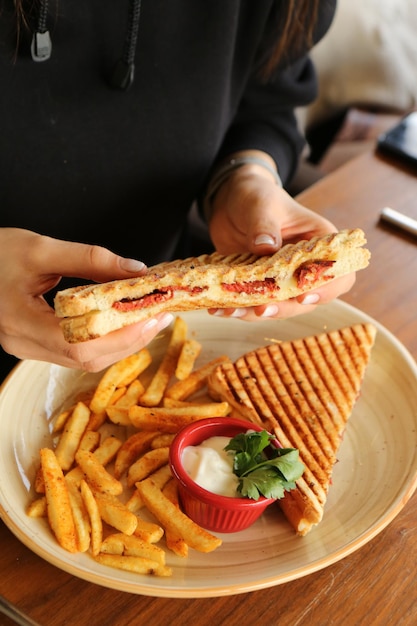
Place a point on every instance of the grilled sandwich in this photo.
(304, 392)
(210, 281)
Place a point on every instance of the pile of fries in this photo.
(109, 461)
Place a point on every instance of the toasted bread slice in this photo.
(303, 391)
(210, 281)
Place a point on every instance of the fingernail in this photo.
(165, 320)
(239, 313)
(132, 265)
(270, 311)
(310, 298)
(264, 239)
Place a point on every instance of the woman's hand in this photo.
(31, 266)
(250, 212)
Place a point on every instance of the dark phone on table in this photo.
(401, 140)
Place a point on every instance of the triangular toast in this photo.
(303, 391)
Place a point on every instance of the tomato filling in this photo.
(155, 297)
(307, 274)
(254, 286)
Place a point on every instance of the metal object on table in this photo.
(9, 609)
(401, 221)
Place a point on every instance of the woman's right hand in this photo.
(32, 265)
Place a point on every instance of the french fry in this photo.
(189, 352)
(96, 474)
(81, 518)
(131, 449)
(60, 420)
(183, 389)
(90, 440)
(118, 412)
(147, 464)
(37, 508)
(171, 420)
(142, 361)
(117, 374)
(173, 541)
(162, 440)
(136, 564)
(104, 454)
(71, 435)
(115, 513)
(130, 545)
(167, 366)
(159, 478)
(58, 505)
(148, 531)
(135, 502)
(96, 524)
(118, 393)
(172, 518)
(96, 420)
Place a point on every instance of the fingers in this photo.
(86, 261)
(43, 341)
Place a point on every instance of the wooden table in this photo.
(376, 584)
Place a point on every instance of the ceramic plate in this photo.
(368, 489)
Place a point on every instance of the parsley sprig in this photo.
(262, 468)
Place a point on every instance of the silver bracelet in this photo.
(225, 170)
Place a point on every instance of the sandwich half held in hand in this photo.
(210, 281)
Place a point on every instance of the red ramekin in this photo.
(213, 512)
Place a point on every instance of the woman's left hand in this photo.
(250, 212)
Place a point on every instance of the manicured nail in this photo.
(166, 320)
(132, 265)
(239, 313)
(270, 311)
(310, 298)
(264, 239)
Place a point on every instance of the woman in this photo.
(110, 133)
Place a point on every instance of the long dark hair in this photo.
(296, 29)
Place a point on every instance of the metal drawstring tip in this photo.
(123, 75)
(41, 46)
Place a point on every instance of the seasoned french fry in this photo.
(90, 440)
(96, 475)
(104, 454)
(183, 389)
(135, 502)
(136, 564)
(142, 361)
(159, 478)
(60, 420)
(37, 508)
(58, 505)
(118, 413)
(71, 435)
(118, 393)
(115, 513)
(173, 541)
(162, 440)
(117, 374)
(130, 545)
(171, 420)
(166, 369)
(148, 531)
(96, 420)
(81, 517)
(189, 352)
(96, 524)
(147, 464)
(131, 449)
(172, 518)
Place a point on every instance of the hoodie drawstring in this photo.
(41, 46)
(124, 71)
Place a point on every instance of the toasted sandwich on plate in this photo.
(209, 281)
(304, 392)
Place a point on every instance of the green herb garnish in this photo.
(259, 473)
